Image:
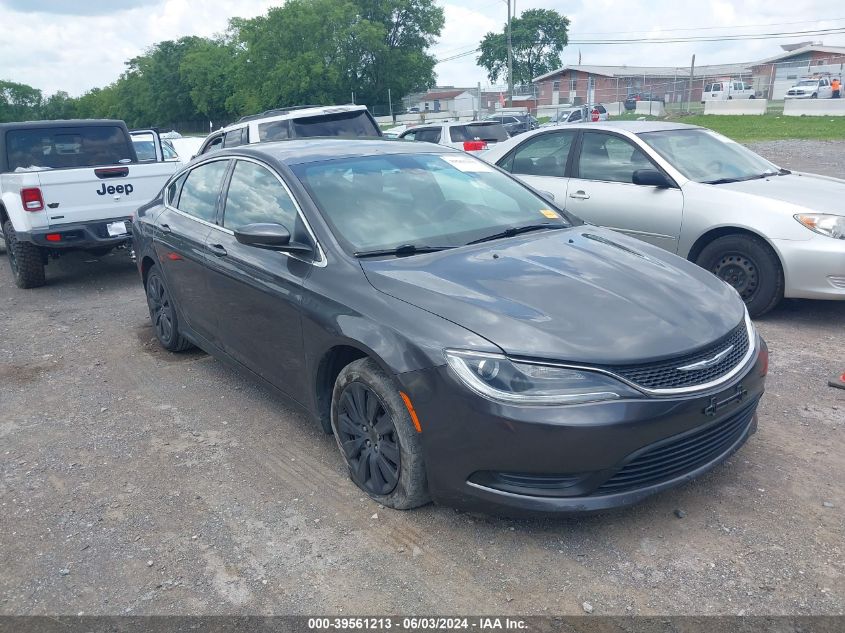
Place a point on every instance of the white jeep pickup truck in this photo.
(69, 185)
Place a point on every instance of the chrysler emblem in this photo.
(707, 362)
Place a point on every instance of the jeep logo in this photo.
(113, 189)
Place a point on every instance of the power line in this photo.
(715, 28)
(677, 40)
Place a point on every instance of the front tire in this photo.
(25, 259)
(748, 264)
(163, 314)
(376, 437)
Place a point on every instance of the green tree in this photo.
(538, 37)
(207, 69)
(19, 102)
(58, 106)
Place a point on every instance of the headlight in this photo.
(824, 223)
(498, 378)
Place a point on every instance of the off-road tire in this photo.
(25, 259)
(411, 488)
(752, 257)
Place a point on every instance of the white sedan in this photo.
(768, 232)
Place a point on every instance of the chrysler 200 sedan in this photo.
(464, 340)
(769, 232)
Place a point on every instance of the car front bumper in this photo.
(814, 268)
(79, 235)
(528, 460)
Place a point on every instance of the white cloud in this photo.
(75, 45)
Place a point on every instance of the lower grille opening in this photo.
(674, 457)
(530, 484)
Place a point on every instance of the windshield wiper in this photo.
(516, 230)
(765, 174)
(402, 251)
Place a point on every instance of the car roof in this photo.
(295, 112)
(309, 150)
(634, 127)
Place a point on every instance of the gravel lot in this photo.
(138, 481)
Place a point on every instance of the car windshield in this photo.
(808, 82)
(705, 156)
(438, 200)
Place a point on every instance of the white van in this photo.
(724, 90)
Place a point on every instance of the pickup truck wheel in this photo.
(163, 314)
(748, 264)
(376, 437)
(25, 259)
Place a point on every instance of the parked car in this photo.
(515, 123)
(811, 88)
(768, 232)
(69, 186)
(630, 102)
(464, 340)
(727, 90)
(296, 122)
(471, 136)
(395, 131)
(150, 147)
(579, 114)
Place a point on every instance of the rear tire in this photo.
(25, 259)
(748, 264)
(163, 314)
(376, 437)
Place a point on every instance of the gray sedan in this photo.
(768, 232)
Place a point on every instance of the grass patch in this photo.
(766, 127)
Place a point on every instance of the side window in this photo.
(543, 155)
(708, 88)
(202, 189)
(610, 158)
(716, 88)
(430, 135)
(601, 109)
(575, 116)
(233, 138)
(213, 145)
(409, 136)
(274, 131)
(171, 195)
(256, 195)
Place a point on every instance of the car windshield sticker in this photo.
(550, 214)
(465, 163)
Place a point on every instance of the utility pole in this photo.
(389, 103)
(510, 59)
(691, 76)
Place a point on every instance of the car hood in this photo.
(808, 191)
(583, 294)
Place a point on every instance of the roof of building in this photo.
(812, 48)
(442, 94)
(651, 71)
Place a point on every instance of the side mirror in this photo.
(274, 237)
(651, 178)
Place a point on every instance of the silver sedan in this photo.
(768, 232)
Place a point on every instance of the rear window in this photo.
(347, 124)
(58, 148)
(490, 132)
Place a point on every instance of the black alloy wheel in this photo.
(367, 436)
(163, 314)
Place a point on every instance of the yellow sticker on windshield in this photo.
(552, 215)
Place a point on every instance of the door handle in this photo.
(580, 195)
(217, 249)
(165, 228)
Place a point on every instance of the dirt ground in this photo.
(138, 481)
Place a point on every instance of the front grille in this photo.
(666, 375)
(674, 457)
